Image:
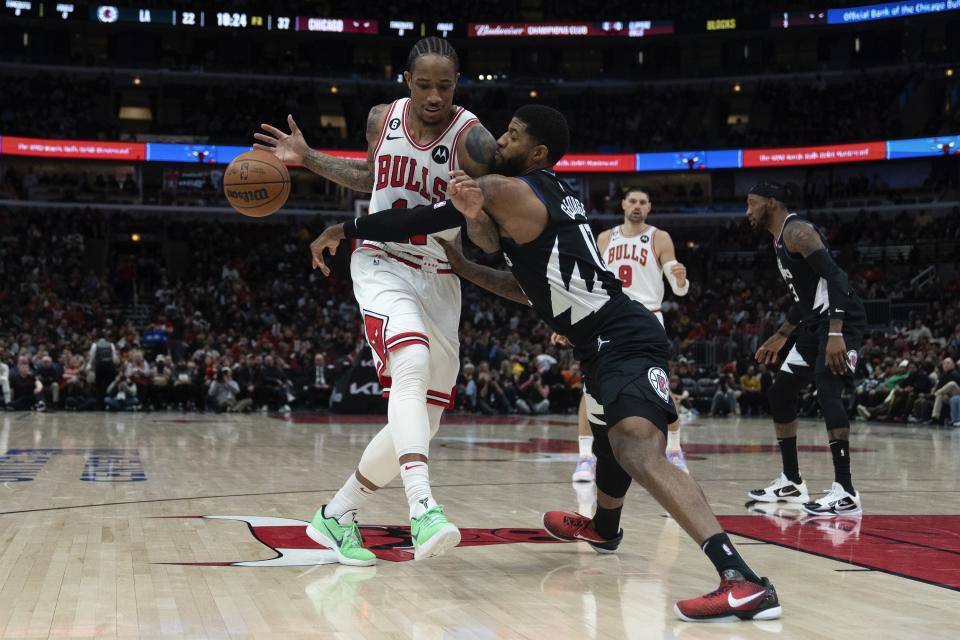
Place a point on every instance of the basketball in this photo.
(256, 183)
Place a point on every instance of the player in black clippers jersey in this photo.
(828, 320)
(556, 268)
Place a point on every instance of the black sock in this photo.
(841, 464)
(606, 522)
(788, 452)
(724, 557)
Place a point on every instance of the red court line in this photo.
(925, 548)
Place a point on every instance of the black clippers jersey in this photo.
(806, 287)
(561, 271)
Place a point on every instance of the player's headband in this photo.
(773, 190)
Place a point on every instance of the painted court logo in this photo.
(659, 382)
(288, 539)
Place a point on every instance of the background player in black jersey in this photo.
(623, 349)
(828, 320)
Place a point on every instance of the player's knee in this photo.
(783, 399)
(409, 369)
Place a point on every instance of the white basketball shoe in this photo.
(782, 490)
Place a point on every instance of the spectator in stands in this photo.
(121, 394)
(725, 399)
(49, 374)
(316, 387)
(5, 380)
(27, 390)
(103, 361)
(223, 393)
(467, 390)
(750, 393)
(77, 391)
(491, 399)
(187, 386)
(919, 332)
(534, 393)
(948, 386)
(160, 386)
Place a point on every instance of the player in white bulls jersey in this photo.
(641, 255)
(408, 295)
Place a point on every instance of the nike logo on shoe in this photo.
(788, 491)
(736, 603)
(337, 539)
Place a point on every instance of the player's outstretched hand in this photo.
(454, 255)
(679, 271)
(465, 194)
(558, 340)
(290, 148)
(836, 355)
(767, 353)
(329, 240)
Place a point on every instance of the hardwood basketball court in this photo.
(180, 525)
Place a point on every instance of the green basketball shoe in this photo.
(343, 536)
(432, 534)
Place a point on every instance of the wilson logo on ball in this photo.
(255, 195)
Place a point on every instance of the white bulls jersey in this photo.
(635, 262)
(408, 174)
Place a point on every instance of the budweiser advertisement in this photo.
(623, 29)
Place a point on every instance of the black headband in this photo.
(773, 190)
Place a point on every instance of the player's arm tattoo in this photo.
(802, 238)
(480, 146)
(484, 233)
(502, 283)
(353, 174)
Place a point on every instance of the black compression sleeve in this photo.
(838, 285)
(398, 225)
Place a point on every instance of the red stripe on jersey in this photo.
(410, 139)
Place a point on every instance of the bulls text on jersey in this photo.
(402, 172)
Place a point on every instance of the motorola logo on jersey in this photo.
(644, 238)
(440, 155)
(659, 382)
(394, 124)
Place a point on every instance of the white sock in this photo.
(350, 497)
(586, 446)
(673, 440)
(416, 483)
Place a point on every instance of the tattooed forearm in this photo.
(495, 281)
(353, 174)
(484, 233)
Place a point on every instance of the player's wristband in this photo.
(834, 334)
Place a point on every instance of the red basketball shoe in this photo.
(566, 525)
(735, 599)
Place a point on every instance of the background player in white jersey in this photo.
(408, 295)
(641, 256)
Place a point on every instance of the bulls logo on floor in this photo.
(288, 538)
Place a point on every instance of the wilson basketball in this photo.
(256, 183)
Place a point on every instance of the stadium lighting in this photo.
(533, 93)
(737, 88)
(136, 81)
(135, 237)
(949, 73)
(334, 89)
